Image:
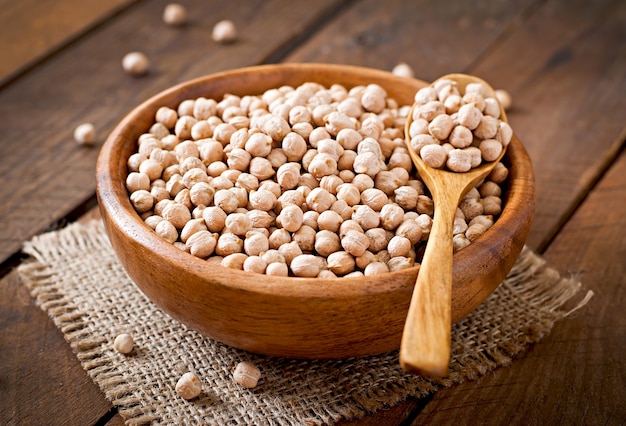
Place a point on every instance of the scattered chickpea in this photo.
(224, 31)
(403, 70)
(504, 98)
(188, 386)
(85, 134)
(247, 375)
(174, 14)
(135, 63)
(124, 343)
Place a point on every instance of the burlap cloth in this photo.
(77, 279)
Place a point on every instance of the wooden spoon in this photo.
(425, 346)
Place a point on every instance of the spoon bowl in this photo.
(426, 341)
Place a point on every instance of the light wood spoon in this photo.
(425, 346)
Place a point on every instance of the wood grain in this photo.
(566, 81)
(31, 30)
(50, 175)
(38, 368)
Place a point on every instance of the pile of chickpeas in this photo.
(455, 130)
(306, 181)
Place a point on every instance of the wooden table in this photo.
(563, 61)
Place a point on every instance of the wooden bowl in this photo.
(285, 316)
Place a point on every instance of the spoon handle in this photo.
(425, 346)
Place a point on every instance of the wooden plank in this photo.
(576, 374)
(46, 174)
(38, 369)
(433, 37)
(32, 29)
(565, 70)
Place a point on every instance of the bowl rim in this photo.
(109, 190)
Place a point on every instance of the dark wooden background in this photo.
(564, 62)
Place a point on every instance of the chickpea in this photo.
(305, 265)
(224, 31)
(277, 269)
(136, 63)
(327, 242)
(202, 243)
(290, 218)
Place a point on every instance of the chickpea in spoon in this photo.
(456, 133)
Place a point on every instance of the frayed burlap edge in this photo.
(378, 382)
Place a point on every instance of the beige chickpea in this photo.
(505, 99)
(291, 196)
(310, 218)
(136, 63)
(331, 183)
(349, 225)
(167, 231)
(153, 220)
(226, 200)
(262, 199)
(418, 127)
(174, 15)
(294, 146)
(418, 142)
(177, 214)
(375, 268)
(239, 159)
(471, 208)
(398, 263)
(469, 116)
(429, 110)
(320, 200)
(391, 216)
(270, 185)
(134, 161)
(223, 132)
(329, 220)
(303, 129)
(342, 209)
(441, 126)
(184, 198)
(85, 134)
(322, 164)
(327, 242)
(487, 128)
(425, 94)
(247, 182)
(191, 227)
(290, 218)
(365, 216)
(238, 223)
(210, 151)
(399, 246)
(288, 175)
(273, 256)
(202, 243)
(141, 200)
(377, 239)
(367, 163)
(488, 188)
(276, 127)
(242, 197)
(341, 262)
(299, 114)
(365, 259)
(258, 145)
(234, 261)
(478, 226)
(374, 198)
(504, 133)
(261, 168)
(490, 149)
(255, 243)
(460, 241)
(355, 243)
(411, 230)
(276, 157)
(453, 103)
(305, 265)
(158, 207)
(254, 264)
(221, 182)
(499, 173)
(124, 343)
(277, 269)
(406, 197)
(136, 181)
(492, 107)
(492, 205)
(459, 160)
(224, 31)
(228, 243)
(434, 155)
(305, 237)
(337, 121)
(290, 251)
(400, 158)
(349, 138)
(261, 219)
(460, 137)
(349, 193)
